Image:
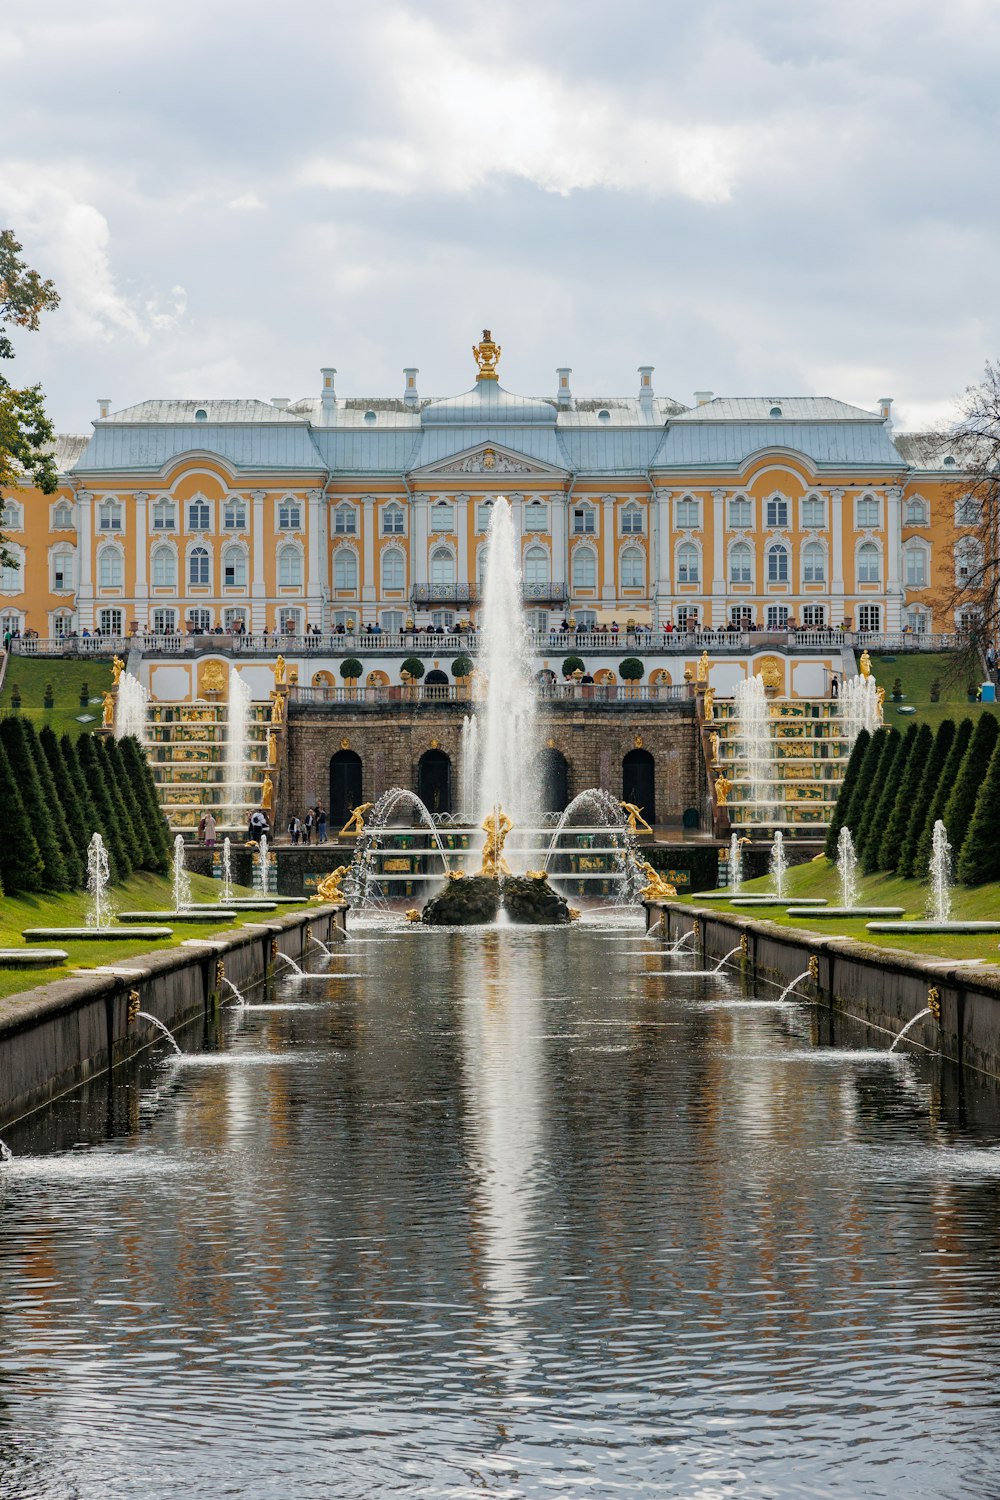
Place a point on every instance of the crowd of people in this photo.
(311, 828)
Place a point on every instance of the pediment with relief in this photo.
(489, 459)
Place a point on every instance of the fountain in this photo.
(470, 754)
(940, 874)
(495, 893)
(806, 974)
(300, 973)
(100, 914)
(143, 1015)
(847, 869)
(753, 743)
(708, 973)
(182, 881)
(240, 1000)
(263, 872)
(927, 1011)
(227, 870)
(858, 707)
(237, 743)
(6, 1154)
(778, 866)
(130, 711)
(100, 910)
(735, 865)
(605, 812)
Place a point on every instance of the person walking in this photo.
(320, 823)
(294, 829)
(208, 828)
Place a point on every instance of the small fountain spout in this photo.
(240, 999)
(940, 874)
(226, 893)
(320, 944)
(143, 1015)
(675, 947)
(808, 974)
(927, 1011)
(727, 958)
(182, 881)
(291, 964)
(100, 911)
(6, 1154)
(847, 869)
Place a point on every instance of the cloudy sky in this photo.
(755, 196)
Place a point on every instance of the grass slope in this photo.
(916, 672)
(31, 673)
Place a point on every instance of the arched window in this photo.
(584, 568)
(345, 520)
(110, 568)
(109, 516)
(687, 563)
(536, 566)
(11, 515)
(164, 568)
(62, 569)
(776, 511)
(234, 516)
(392, 520)
(632, 520)
(633, 568)
(813, 511)
(62, 517)
(813, 563)
(777, 563)
(199, 514)
(740, 511)
(289, 514)
(869, 563)
(915, 511)
(393, 569)
(164, 515)
(290, 567)
(741, 564)
(234, 568)
(867, 511)
(916, 565)
(442, 568)
(199, 567)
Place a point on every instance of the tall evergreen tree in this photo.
(145, 790)
(16, 742)
(68, 795)
(55, 801)
(893, 739)
(971, 775)
(847, 786)
(936, 807)
(94, 768)
(143, 854)
(130, 837)
(929, 780)
(21, 867)
(88, 812)
(867, 782)
(891, 782)
(979, 860)
(891, 848)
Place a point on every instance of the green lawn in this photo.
(142, 892)
(68, 678)
(819, 878)
(916, 672)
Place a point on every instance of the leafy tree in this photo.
(94, 769)
(867, 782)
(414, 668)
(890, 783)
(971, 775)
(462, 665)
(67, 792)
(924, 796)
(350, 667)
(572, 664)
(144, 854)
(892, 741)
(979, 860)
(936, 806)
(850, 781)
(631, 669)
(145, 790)
(25, 431)
(21, 867)
(891, 848)
(15, 738)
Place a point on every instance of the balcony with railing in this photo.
(556, 694)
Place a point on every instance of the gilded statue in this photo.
(496, 827)
(277, 709)
(267, 794)
(635, 817)
(879, 701)
(656, 888)
(328, 889)
(213, 677)
(487, 357)
(702, 673)
(279, 671)
(456, 874)
(709, 702)
(109, 711)
(865, 665)
(714, 742)
(723, 786)
(117, 668)
(272, 749)
(355, 825)
(412, 914)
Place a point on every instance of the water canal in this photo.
(506, 1212)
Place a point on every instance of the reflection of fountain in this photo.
(753, 742)
(847, 869)
(182, 881)
(143, 1015)
(858, 707)
(467, 769)
(100, 911)
(130, 713)
(779, 864)
(227, 871)
(940, 874)
(735, 864)
(237, 743)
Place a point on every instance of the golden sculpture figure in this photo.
(714, 742)
(456, 874)
(496, 827)
(277, 709)
(355, 825)
(279, 671)
(635, 817)
(267, 793)
(702, 673)
(879, 701)
(412, 914)
(656, 888)
(865, 664)
(709, 701)
(328, 889)
(723, 786)
(117, 668)
(487, 357)
(109, 711)
(272, 749)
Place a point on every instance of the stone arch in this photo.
(434, 781)
(346, 786)
(553, 780)
(639, 782)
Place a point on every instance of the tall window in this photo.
(584, 520)
(968, 561)
(234, 568)
(393, 569)
(483, 512)
(199, 568)
(62, 518)
(345, 521)
(867, 511)
(916, 619)
(110, 568)
(345, 570)
(109, 622)
(11, 515)
(813, 563)
(62, 569)
(777, 511)
(164, 515)
(813, 511)
(233, 617)
(968, 512)
(814, 616)
(392, 520)
(915, 512)
(392, 621)
(916, 567)
(536, 517)
(687, 563)
(234, 517)
(289, 515)
(633, 568)
(199, 515)
(164, 621)
(11, 577)
(777, 616)
(442, 516)
(442, 568)
(740, 512)
(688, 513)
(290, 567)
(200, 620)
(536, 566)
(109, 516)
(584, 568)
(777, 563)
(741, 564)
(62, 624)
(164, 568)
(869, 564)
(870, 617)
(632, 520)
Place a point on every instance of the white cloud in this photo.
(246, 201)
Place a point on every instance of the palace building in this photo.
(294, 517)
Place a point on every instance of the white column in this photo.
(461, 504)
(315, 551)
(609, 590)
(369, 547)
(718, 557)
(836, 557)
(258, 586)
(660, 511)
(894, 557)
(85, 552)
(141, 573)
(418, 542)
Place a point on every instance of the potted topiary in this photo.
(351, 670)
(631, 671)
(411, 672)
(573, 664)
(897, 690)
(461, 669)
(84, 694)
(48, 696)
(936, 690)
(15, 696)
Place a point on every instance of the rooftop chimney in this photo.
(281, 402)
(410, 393)
(646, 391)
(565, 394)
(885, 407)
(103, 405)
(328, 397)
(703, 397)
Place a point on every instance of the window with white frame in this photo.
(537, 620)
(777, 563)
(393, 570)
(869, 563)
(688, 570)
(10, 620)
(164, 515)
(741, 563)
(740, 512)
(393, 521)
(442, 516)
(442, 568)
(777, 617)
(916, 511)
(290, 567)
(814, 616)
(345, 520)
(813, 511)
(109, 622)
(234, 515)
(345, 570)
(199, 621)
(62, 517)
(584, 568)
(870, 617)
(687, 513)
(916, 566)
(109, 516)
(586, 618)
(289, 621)
(234, 568)
(536, 566)
(688, 616)
(970, 619)
(62, 624)
(11, 515)
(813, 563)
(536, 516)
(12, 573)
(392, 621)
(916, 619)
(164, 568)
(968, 562)
(199, 568)
(233, 618)
(776, 511)
(199, 515)
(289, 514)
(110, 568)
(483, 512)
(584, 520)
(741, 615)
(346, 617)
(164, 621)
(633, 520)
(443, 619)
(968, 511)
(866, 511)
(633, 568)
(62, 570)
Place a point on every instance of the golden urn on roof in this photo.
(487, 357)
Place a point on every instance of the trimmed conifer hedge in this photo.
(891, 741)
(41, 816)
(864, 788)
(936, 807)
(885, 802)
(145, 790)
(93, 768)
(979, 860)
(74, 811)
(21, 867)
(142, 849)
(971, 775)
(847, 786)
(921, 742)
(929, 782)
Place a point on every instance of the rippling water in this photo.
(513, 1213)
